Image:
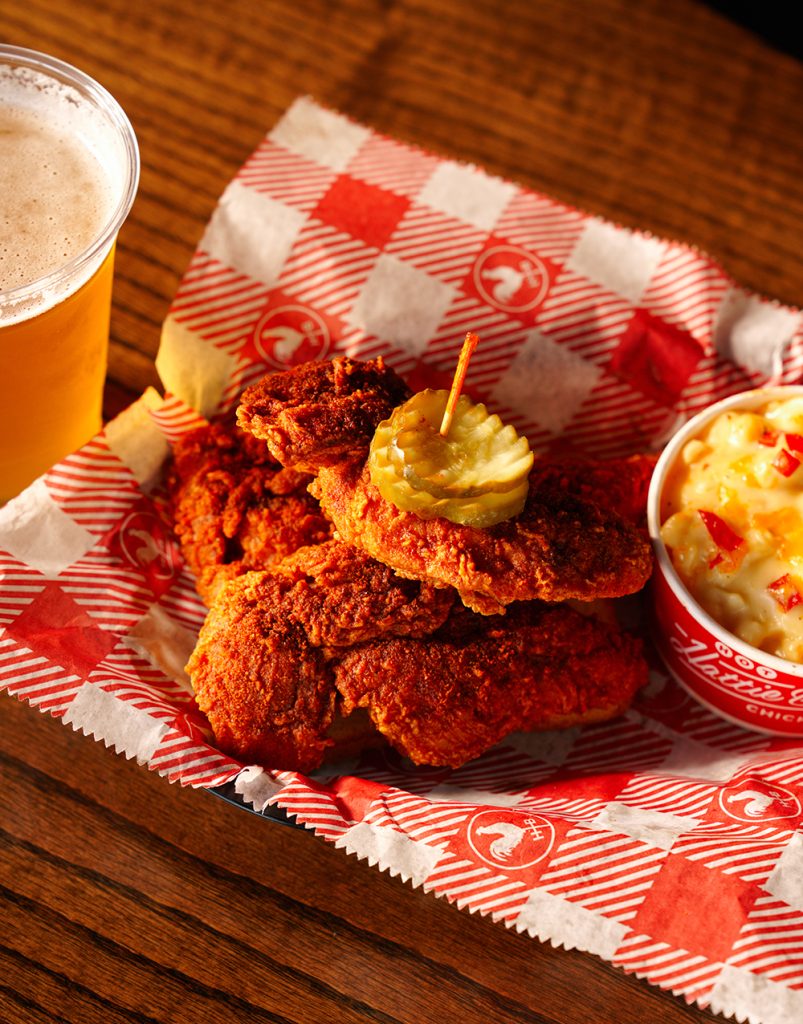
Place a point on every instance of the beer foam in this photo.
(63, 177)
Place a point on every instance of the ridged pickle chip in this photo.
(476, 476)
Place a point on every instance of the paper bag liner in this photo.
(666, 842)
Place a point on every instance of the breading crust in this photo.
(235, 508)
(447, 699)
(561, 547)
(317, 413)
(261, 670)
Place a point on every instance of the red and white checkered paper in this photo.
(668, 842)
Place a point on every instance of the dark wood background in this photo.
(126, 899)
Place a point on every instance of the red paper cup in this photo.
(736, 680)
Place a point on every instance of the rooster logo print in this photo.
(510, 839)
(289, 335)
(510, 836)
(511, 279)
(145, 545)
(752, 800)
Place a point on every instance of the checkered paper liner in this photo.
(668, 842)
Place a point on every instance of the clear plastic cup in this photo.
(70, 169)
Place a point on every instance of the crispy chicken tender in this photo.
(368, 624)
(619, 484)
(340, 597)
(283, 652)
(564, 545)
(561, 546)
(262, 671)
(269, 695)
(235, 508)
(447, 699)
(315, 414)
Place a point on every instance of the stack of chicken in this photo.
(338, 619)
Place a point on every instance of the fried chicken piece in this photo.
(261, 669)
(564, 545)
(341, 597)
(620, 485)
(315, 414)
(560, 547)
(269, 695)
(235, 508)
(441, 683)
(446, 699)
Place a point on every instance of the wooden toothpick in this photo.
(457, 384)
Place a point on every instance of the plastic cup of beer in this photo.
(69, 168)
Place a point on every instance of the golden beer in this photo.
(69, 173)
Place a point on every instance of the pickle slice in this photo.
(476, 476)
(483, 510)
(481, 455)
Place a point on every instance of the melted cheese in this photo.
(732, 470)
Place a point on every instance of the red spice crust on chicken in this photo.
(262, 668)
(370, 623)
(446, 699)
(564, 545)
(319, 412)
(559, 548)
(235, 508)
(329, 630)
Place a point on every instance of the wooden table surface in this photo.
(127, 899)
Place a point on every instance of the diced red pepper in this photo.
(794, 442)
(721, 534)
(785, 592)
(769, 438)
(785, 463)
(715, 560)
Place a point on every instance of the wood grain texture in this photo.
(129, 899)
(126, 899)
